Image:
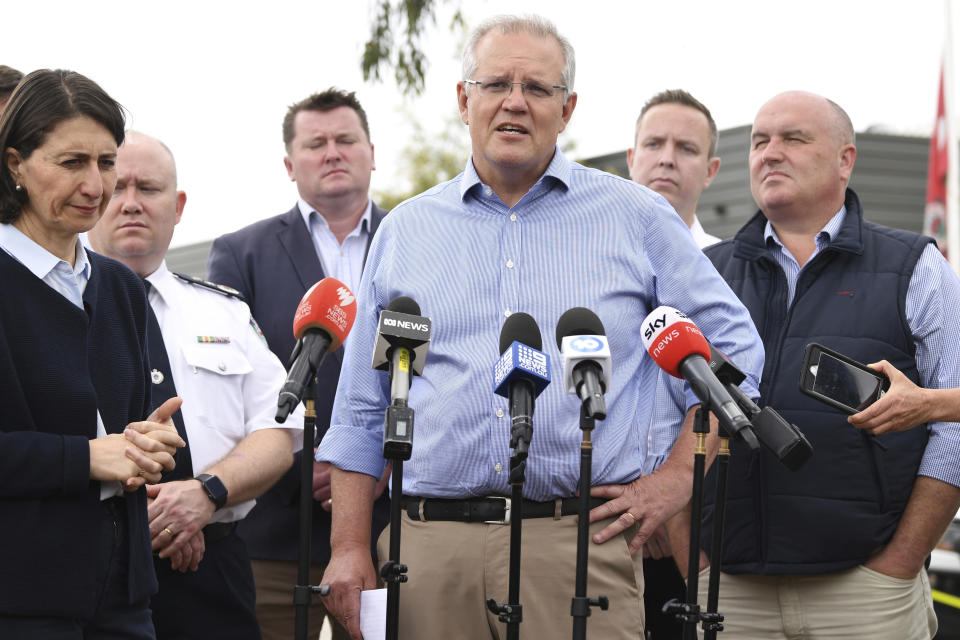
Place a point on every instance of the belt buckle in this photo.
(506, 510)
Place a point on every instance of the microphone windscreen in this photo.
(578, 321)
(404, 304)
(328, 306)
(670, 337)
(520, 327)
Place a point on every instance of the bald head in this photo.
(134, 138)
(801, 158)
(137, 226)
(826, 111)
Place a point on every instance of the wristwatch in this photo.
(215, 489)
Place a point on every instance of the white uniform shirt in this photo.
(700, 236)
(229, 380)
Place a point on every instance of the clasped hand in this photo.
(141, 453)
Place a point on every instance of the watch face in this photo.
(215, 489)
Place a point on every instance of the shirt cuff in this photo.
(353, 449)
(940, 457)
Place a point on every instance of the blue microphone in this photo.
(521, 373)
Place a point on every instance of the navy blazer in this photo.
(59, 366)
(272, 263)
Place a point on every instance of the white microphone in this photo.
(585, 352)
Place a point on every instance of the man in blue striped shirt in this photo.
(521, 229)
(837, 548)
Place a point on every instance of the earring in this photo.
(18, 187)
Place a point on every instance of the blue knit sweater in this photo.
(58, 365)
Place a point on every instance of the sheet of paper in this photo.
(373, 614)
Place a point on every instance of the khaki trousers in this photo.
(857, 603)
(275, 609)
(455, 566)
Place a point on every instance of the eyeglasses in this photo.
(504, 88)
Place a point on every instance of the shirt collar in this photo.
(823, 237)
(558, 170)
(38, 260)
(161, 280)
(307, 211)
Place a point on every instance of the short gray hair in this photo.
(534, 25)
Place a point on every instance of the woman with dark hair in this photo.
(75, 449)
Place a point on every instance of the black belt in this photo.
(218, 531)
(492, 510)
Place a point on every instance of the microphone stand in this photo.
(303, 591)
(688, 612)
(712, 619)
(521, 407)
(393, 572)
(580, 605)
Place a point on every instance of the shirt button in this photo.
(506, 313)
(498, 467)
(488, 191)
(499, 413)
(509, 264)
(222, 366)
(513, 217)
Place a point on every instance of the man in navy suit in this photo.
(272, 263)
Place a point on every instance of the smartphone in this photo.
(839, 381)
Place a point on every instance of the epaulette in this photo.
(213, 286)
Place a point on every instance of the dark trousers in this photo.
(215, 601)
(115, 618)
(663, 582)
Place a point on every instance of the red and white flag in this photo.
(934, 213)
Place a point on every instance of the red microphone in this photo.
(678, 347)
(328, 306)
(320, 325)
(669, 337)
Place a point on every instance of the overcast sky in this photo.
(213, 79)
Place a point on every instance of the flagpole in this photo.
(953, 178)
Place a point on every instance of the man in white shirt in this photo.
(674, 153)
(206, 342)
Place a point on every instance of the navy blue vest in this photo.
(846, 501)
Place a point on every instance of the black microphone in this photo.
(401, 348)
(521, 373)
(782, 438)
(586, 359)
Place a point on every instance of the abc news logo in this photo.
(406, 324)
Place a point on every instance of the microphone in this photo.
(586, 359)
(679, 348)
(320, 325)
(782, 438)
(401, 348)
(521, 373)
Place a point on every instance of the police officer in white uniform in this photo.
(211, 354)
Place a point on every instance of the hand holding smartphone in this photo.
(839, 381)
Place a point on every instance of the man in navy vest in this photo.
(837, 548)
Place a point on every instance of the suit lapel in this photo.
(376, 217)
(295, 238)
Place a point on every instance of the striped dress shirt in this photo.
(578, 237)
